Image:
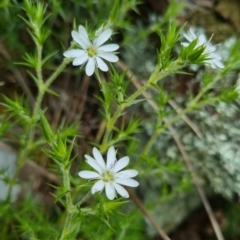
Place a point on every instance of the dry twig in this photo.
(136, 82)
(18, 76)
(186, 158)
(148, 215)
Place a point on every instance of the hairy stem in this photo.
(68, 228)
(155, 77)
(24, 153)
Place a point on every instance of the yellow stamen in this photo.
(107, 176)
(91, 52)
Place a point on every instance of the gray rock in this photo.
(7, 169)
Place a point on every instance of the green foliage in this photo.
(5, 125)
(233, 62)
(192, 53)
(137, 121)
(47, 130)
(168, 41)
(16, 108)
(231, 228)
(36, 15)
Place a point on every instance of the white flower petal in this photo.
(212, 65)
(185, 44)
(121, 190)
(88, 175)
(103, 37)
(215, 56)
(82, 31)
(85, 43)
(192, 33)
(189, 37)
(101, 64)
(106, 170)
(76, 37)
(98, 157)
(212, 59)
(98, 186)
(93, 163)
(217, 63)
(99, 31)
(81, 40)
(108, 56)
(80, 60)
(73, 53)
(210, 48)
(111, 158)
(109, 48)
(127, 174)
(127, 182)
(121, 163)
(202, 39)
(110, 191)
(90, 67)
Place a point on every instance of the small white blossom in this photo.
(92, 53)
(108, 174)
(214, 59)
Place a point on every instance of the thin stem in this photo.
(150, 143)
(154, 78)
(50, 80)
(186, 158)
(110, 125)
(201, 193)
(112, 121)
(30, 135)
(84, 199)
(71, 209)
(190, 107)
(204, 89)
(39, 64)
(189, 122)
(175, 118)
(148, 215)
(36, 109)
(137, 84)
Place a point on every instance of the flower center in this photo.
(107, 176)
(91, 52)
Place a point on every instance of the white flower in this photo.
(92, 52)
(108, 174)
(213, 59)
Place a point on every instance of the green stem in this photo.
(69, 227)
(84, 199)
(50, 80)
(193, 104)
(112, 121)
(206, 88)
(24, 153)
(150, 143)
(154, 78)
(39, 64)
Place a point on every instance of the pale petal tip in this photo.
(81, 174)
(137, 184)
(95, 150)
(111, 149)
(94, 190)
